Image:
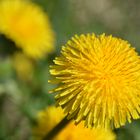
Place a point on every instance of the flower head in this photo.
(23, 66)
(46, 121)
(99, 80)
(27, 25)
(70, 132)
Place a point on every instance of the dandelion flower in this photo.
(99, 80)
(49, 118)
(46, 121)
(27, 25)
(23, 66)
(73, 132)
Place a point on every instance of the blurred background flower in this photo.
(27, 26)
(50, 117)
(46, 120)
(23, 66)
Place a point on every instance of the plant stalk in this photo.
(57, 129)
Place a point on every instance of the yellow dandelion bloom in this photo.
(70, 132)
(23, 66)
(27, 25)
(99, 80)
(46, 121)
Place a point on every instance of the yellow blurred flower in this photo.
(46, 120)
(70, 132)
(27, 25)
(99, 80)
(23, 66)
(73, 132)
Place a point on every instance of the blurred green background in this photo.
(21, 100)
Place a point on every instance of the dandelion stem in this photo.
(57, 129)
